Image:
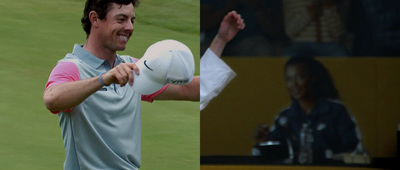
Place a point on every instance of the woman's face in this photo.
(298, 82)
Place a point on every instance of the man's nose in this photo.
(129, 26)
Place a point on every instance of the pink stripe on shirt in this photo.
(63, 72)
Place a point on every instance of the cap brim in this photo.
(142, 82)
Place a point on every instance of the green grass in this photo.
(35, 34)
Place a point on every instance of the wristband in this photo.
(101, 81)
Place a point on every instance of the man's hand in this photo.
(121, 74)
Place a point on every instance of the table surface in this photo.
(386, 163)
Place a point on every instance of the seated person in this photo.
(315, 102)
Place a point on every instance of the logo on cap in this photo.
(171, 81)
(147, 65)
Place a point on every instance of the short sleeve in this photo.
(215, 74)
(63, 72)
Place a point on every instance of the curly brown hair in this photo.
(101, 7)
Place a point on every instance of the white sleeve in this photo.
(215, 74)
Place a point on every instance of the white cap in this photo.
(167, 61)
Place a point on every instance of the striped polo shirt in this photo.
(104, 131)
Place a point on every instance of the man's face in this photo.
(116, 29)
(297, 82)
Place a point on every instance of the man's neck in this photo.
(98, 50)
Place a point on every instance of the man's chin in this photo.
(122, 48)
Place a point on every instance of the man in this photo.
(215, 73)
(90, 90)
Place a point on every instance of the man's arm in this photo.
(189, 92)
(70, 94)
(215, 73)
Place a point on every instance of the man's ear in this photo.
(94, 18)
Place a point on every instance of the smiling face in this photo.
(298, 82)
(117, 27)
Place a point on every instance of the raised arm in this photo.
(230, 26)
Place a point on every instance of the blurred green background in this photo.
(35, 34)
